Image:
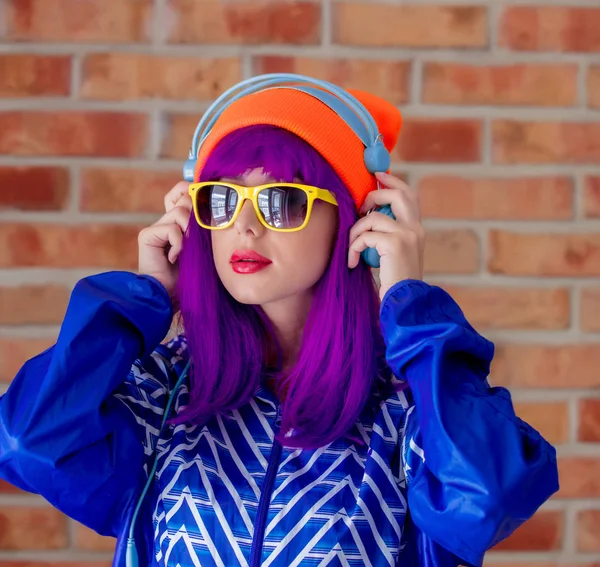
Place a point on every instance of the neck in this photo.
(288, 318)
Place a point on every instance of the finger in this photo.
(374, 222)
(175, 250)
(404, 207)
(161, 236)
(390, 181)
(380, 241)
(185, 201)
(179, 216)
(404, 204)
(173, 196)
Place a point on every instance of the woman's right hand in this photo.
(160, 244)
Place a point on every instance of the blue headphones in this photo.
(346, 106)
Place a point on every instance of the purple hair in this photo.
(338, 360)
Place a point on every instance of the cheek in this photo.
(325, 227)
(219, 249)
(317, 239)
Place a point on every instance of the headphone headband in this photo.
(346, 106)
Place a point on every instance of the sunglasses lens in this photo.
(216, 204)
(283, 207)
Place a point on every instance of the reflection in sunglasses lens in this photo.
(216, 204)
(283, 207)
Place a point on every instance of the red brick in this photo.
(98, 134)
(551, 419)
(517, 84)
(547, 366)
(6, 488)
(111, 21)
(546, 142)
(589, 314)
(550, 28)
(513, 308)
(34, 188)
(125, 76)
(33, 304)
(179, 135)
(543, 532)
(513, 198)
(387, 79)
(245, 21)
(593, 86)
(71, 246)
(591, 197)
(23, 75)
(451, 252)
(588, 531)
(126, 190)
(589, 420)
(440, 140)
(32, 528)
(89, 540)
(395, 25)
(579, 477)
(15, 352)
(544, 254)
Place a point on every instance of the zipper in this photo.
(265, 497)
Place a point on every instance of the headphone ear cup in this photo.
(370, 255)
(377, 158)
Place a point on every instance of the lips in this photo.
(248, 262)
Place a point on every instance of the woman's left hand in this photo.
(400, 243)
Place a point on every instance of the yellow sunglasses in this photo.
(283, 207)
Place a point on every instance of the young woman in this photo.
(301, 417)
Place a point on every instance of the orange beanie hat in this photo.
(313, 121)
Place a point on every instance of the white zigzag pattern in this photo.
(203, 516)
(311, 514)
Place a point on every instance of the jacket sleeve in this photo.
(78, 421)
(475, 471)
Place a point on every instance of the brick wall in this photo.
(98, 100)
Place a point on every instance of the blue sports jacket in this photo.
(433, 475)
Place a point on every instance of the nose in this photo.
(247, 223)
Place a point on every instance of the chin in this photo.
(265, 287)
(253, 295)
(249, 290)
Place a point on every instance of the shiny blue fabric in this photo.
(476, 473)
(486, 470)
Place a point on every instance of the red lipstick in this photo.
(248, 262)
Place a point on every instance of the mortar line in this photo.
(417, 109)
(416, 80)
(220, 51)
(75, 189)
(76, 76)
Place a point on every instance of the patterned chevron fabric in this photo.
(343, 504)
